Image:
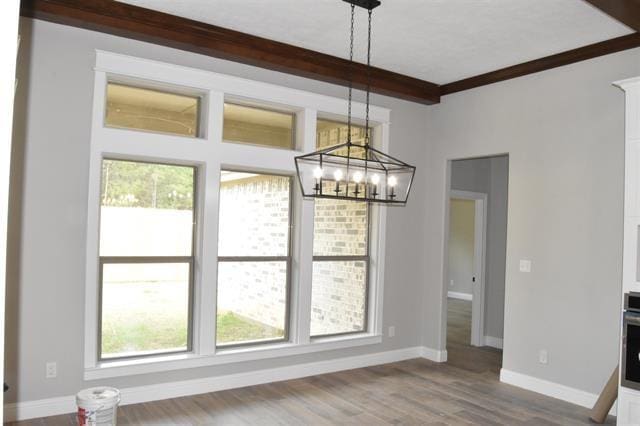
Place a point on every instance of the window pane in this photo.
(144, 109)
(146, 209)
(330, 133)
(145, 308)
(340, 228)
(258, 126)
(338, 297)
(254, 215)
(252, 301)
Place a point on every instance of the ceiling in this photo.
(440, 41)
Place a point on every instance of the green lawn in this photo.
(235, 328)
(125, 334)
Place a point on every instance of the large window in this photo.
(265, 273)
(340, 253)
(254, 258)
(146, 258)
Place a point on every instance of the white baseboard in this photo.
(433, 354)
(67, 404)
(552, 389)
(494, 342)
(458, 295)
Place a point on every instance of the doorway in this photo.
(467, 233)
(475, 256)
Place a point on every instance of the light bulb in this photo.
(357, 177)
(375, 179)
(392, 181)
(337, 175)
(317, 173)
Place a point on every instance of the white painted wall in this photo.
(48, 212)
(461, 245)
(563, 130)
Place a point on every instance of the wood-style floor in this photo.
(465, 390)
(459, 351)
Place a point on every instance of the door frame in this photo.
(9, 16)
(479, 259)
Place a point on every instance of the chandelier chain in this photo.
(353, 9)
(366, 127)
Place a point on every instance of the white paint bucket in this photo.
(98, 406)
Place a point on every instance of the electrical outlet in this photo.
(51, 370)
(392, 331)
(543, 356)
(451, 283)
(525, 265)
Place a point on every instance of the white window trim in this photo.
(210, 153)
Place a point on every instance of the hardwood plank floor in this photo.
(463, 391)
(459, 351)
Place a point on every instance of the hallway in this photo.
(459, 352)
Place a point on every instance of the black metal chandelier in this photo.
(353, 171)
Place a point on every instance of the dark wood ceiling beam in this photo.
(625, 11)
(565, 58)
(134, 22)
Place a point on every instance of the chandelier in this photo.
(355, 171)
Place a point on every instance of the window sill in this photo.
(224, 356)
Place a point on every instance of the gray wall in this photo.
(496, 256)
(564, 132)
(45, 300)
(562, 128)
(491, 176)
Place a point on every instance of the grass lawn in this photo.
(235, 328)
(147, 317)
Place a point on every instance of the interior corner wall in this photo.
(48, 212)
(489, 175)
(564, 132)
(496, 254)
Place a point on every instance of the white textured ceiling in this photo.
(436, 40)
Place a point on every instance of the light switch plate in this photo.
(543, 356)
(525, 265)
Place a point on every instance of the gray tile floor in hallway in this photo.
(463, 391)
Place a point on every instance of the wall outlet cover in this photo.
(51, 370)
(525, 265)
(392, 331)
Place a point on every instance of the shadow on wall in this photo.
(16, 186)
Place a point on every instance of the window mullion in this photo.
(207, 249)
(205, 300)
(307, 121)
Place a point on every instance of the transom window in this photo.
(130, 107)
(258, 126)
